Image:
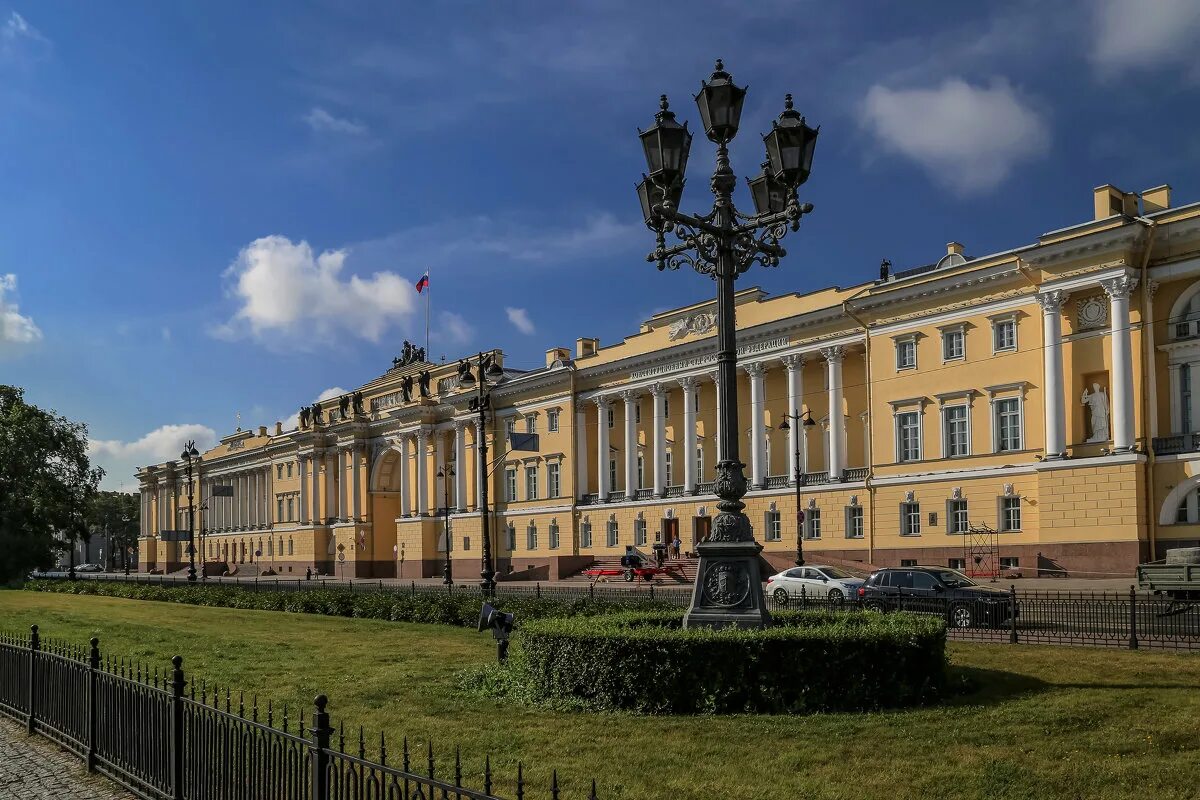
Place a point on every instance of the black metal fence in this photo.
(165, 739)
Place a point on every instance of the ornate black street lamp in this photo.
(190, 452)
(806, 421)
(446, 473)
(723, 244)
(489, 373)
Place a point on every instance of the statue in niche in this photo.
(1097, 402)
(406, 388)
(304, 414)
(357, 399)
(318, 418)
(344, 406)
(424, 378)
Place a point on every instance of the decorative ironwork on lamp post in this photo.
(489, 373)
(723, 244)
(806, 421)
(190, 452)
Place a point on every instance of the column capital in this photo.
(754, 369)
(1052, 301)
(422, 435)
(688, 383)
(793, 362)
(459, 424)
(833, 355)
(1119, 288)
(713, 376)
(630, 395)
(602, 402)
(658, 389)
(1152, 287)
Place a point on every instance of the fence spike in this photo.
(429, 747)
(487, 774)
(254, 708)
(554, 785)
(457, 765)
(362, 749)
(270, 714)
(592, 796)
(382, 749)
(285, 718)
(242, 703)
(228, 697)
(301, 729)
(520, 781)
(342, 736)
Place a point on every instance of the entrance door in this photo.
(701, 528)
(670, 531)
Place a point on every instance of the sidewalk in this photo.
(33, 768)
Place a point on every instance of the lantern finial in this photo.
(662, 102)
(787, 101)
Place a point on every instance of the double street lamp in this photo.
(446, 473)
(190, 452)
(806, 421)
(723, 244)
(490, 375)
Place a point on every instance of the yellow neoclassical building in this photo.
(1041, 400)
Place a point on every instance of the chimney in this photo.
(278, 428)
(557, 354)
(262, 430)
(1156, 199)
(585, 347)
(954, 249)
(1110, 201)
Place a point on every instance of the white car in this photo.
(818, 581)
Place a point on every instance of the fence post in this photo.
(652, 591)
(803, 597)
(34, 646)
(538, 589)
(93, 703)
(1012, 613)
(320, 749)
(414, 588)
(1133, 641)
(591, 591)
(177, 684)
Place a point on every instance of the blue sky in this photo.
(221, 208)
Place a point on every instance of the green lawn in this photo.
(1047, 722)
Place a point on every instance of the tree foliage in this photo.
(115, 515)
(47, 484)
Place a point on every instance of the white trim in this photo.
(960, 474)
(942, 409)
(920, 412)
(1094, 461)
(1011, 303)
(1087, 280)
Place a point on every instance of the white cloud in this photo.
(120, 459)
(166, 334)
(1150, 33)
(284, 289)
(519, 317)
(14, 327)
(967, 137)
(292, 421)
(322, 121)
(452, 329)
(20, 41)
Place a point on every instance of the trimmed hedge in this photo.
(808, 661)
(397, 606)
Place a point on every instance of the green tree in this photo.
(46, 484)
(115, 516)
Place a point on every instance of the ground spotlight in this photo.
(501, 625)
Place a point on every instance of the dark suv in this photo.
(936, 590)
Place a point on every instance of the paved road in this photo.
(32, 768)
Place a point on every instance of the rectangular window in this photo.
(291, 547)
(1004, 335)
(510, 484)
(908, 562)
(906, 354)
(1185, 397)
(291, 509)
(511, 534)
(1010, 562)
(956, 563)
(666, 405)
(510, 425)
(953, 344)
(279, 508)
(289, 467)
(1010, 513)
(956, 517)
(279, 470)
(553, 483)
(612, 474)
(531, 423)
(466, 543)
(531, 537)
(910, 519)
(774, 527)
(531, 482)
(908, 436)
(552, 420)
(854, 522)
(812, 523)
(610, 416)
(699, 463)
(954, 427)
(669, 481)
(639, 533)
(611, 534)
(553, 535)
(1008, 425)
(585, 534)
(637, 413)
(641, 476)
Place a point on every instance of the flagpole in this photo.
(428, 291)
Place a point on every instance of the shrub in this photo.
(807, 661)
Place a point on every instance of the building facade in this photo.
(1039, 399)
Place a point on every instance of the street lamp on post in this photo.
(190, 452)
(724, 244)
(446, 473)
(805, 420)
(489, 373)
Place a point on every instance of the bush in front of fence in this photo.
(400, 605)
(647, 662)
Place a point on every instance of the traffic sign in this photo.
(341, 556)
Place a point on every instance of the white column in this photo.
(460, 464)
(244, 505)
(795, 382)
(441, 490)
(631, 482)
(405, 499)
(837, 423)
(314, 497)
(269, 497)
(356, 453)
(302, 475)
(657, 393)
(1052, 373)
(331, 483)
(581, 459)
(717, 428)
(758, 428)
(342, 459)
(602, 487)
(253, 479)
(480, 473)
(422, 472)
(1118, 290)
(688, 385)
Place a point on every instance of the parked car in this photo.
(815, 581)
(936, 590)
(89, 568)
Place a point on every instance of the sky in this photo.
(214, 213)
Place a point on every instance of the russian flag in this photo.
(423, 283)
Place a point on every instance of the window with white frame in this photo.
(910, 519)
(956, 431)
(854, 522)
(637, 412)
(956, 563)
(612, 533)
(1008, 424)
(610, 416)
(908, 436)
(956, 517)
(641, 472)
(553, 530)
(639, 533)
(668, 457)
(553, 479)
(291, 509)
(953, 344)
(531, 536)
(279, 471)
(511, 535)
(531, 423)
(1010, 513)
(585, 534)
(1004, 335)
(612, 473)
(774, 527)
(1010, 562)
(552, 420)
(906, 353)
(531, 482)
(279, 508)
(510, 484)
(666, 401)
(812, 523)
(699, 462)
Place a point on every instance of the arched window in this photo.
(700, 463)
(271, 547)
(291, 547)
(1185, 322)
